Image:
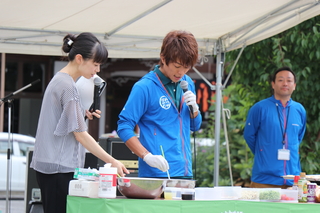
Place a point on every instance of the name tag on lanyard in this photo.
(283, 154)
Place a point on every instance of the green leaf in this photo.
(311, 54)
(315, 30)
(284, 48)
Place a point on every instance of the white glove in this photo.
(191, 100)
(156, 161)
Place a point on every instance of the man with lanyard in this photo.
(274, 130)
(162, 110)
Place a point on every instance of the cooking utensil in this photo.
(145, 188)
(164, 158)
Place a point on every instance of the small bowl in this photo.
(172, 193)
(145, 188)
(187, 194)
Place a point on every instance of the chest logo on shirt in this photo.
(164, 102)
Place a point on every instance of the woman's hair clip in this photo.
(70, 42)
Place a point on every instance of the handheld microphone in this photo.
(96, 94)
(184, 87)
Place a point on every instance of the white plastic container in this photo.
(229, 192)
(207, 193)
(250, 194)
(270, 194)
(172, 193)
(84, 188)
(107, 181)
(289, 195)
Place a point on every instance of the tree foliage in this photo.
(297, 48)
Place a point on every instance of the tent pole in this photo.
(212, 87)
(2, 88)
(219, 65)
(234, 65)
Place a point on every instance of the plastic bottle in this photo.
(295, 182)
(302, 188)
(107, 181)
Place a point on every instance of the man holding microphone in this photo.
(165, 113)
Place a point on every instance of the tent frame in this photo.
(220, 46)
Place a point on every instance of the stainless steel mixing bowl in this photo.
(135, 187)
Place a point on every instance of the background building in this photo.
(120, 75)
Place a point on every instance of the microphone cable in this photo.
(194, 149)
(184, 87)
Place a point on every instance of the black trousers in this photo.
(54, 190)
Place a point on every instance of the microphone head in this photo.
(184, 85)
(97, 81)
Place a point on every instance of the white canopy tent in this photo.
(135, 29)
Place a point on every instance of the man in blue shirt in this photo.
(161, 109)
(274, 130)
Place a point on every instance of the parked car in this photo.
(18, 160)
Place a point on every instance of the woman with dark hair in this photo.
(62, 135)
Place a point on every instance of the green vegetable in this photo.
(269, 195)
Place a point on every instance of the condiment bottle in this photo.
(302, 188)
(107, 181)
(295, 182)
(311, 198)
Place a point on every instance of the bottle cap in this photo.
(108, 169)
(302, 174)
(296, 179)
(107, 165)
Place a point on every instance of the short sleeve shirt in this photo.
(56, 148)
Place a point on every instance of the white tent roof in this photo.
(135, 29)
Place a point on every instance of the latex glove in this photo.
(156, 161)
(191, 100)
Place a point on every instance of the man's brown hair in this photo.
(179, 46)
